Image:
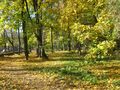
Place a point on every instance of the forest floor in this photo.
(63, 71)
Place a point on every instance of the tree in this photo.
(25, 39)
(86, 25)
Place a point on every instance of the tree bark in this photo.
(9, 39)
(25, 39)
(19, 41)
(5, 46)
(52, 45)
(12, 37)
(69, 37)
(39, 33)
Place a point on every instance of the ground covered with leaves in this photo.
(63, 71)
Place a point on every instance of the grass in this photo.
(62, 71)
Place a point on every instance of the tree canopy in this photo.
(89, 26)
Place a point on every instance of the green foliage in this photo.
(100, 51)
(32, 41)
(117, 82)
(1, 41)
(92, 23)
(95, 30)
(79, 74)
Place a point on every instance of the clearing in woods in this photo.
(62, 71)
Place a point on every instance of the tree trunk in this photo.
(69, 38)
(12, 37)
(19, 41)
(10, 41)
(5, 46)
(25, 39)
(52, 45)
(39, 34)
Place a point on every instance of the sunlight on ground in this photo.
(63, 73)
